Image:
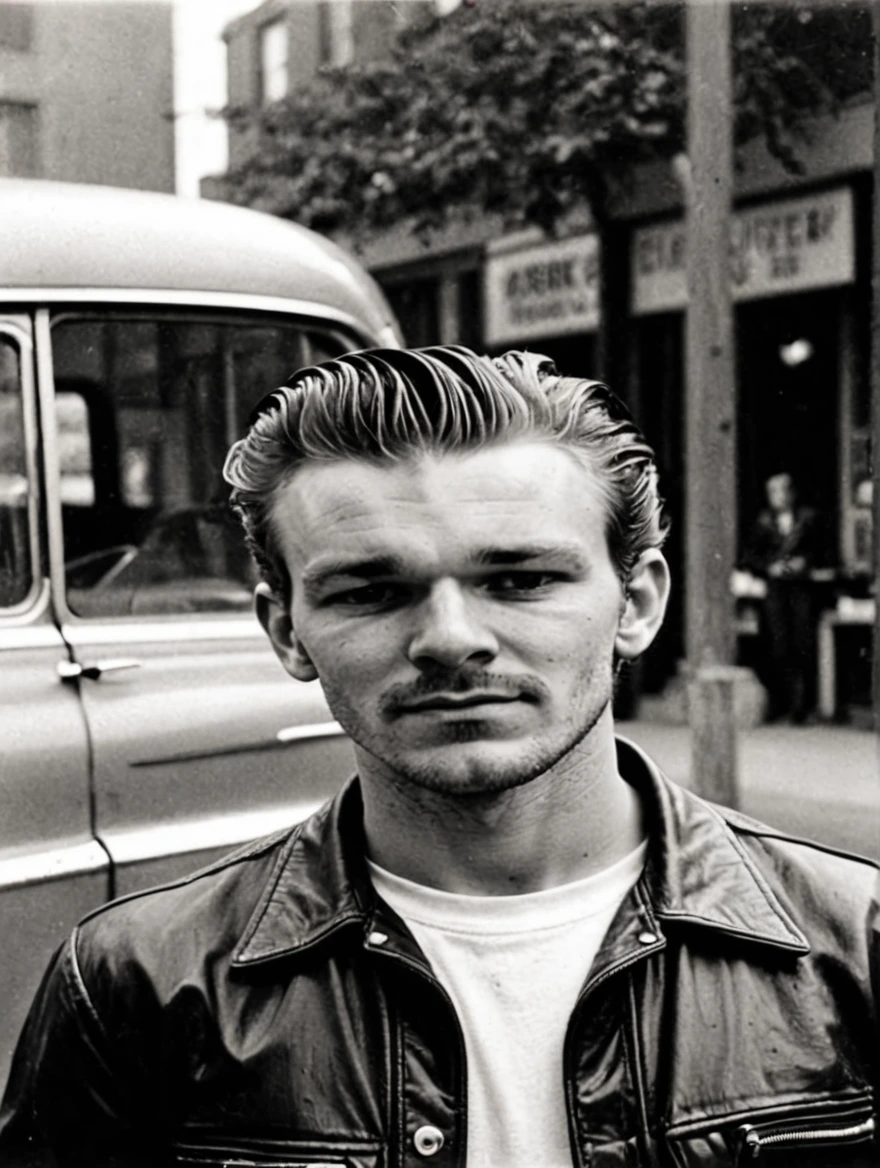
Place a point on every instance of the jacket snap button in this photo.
(377, 938)
(647, 938)
(428, 1140)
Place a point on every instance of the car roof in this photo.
(77, 237)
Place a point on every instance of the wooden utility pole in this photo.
(710, 396)
(875, 363)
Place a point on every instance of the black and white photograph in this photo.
(439, 710)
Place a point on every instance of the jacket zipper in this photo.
(755, 1139)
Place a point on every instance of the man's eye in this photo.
(511, 583)
(366, 595)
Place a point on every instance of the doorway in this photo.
(788, 393)
(788, 352)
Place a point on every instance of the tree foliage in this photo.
(523, 108)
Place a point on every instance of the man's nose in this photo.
(449, 630)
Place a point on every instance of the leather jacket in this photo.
(272, 1010)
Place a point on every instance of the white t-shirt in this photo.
(513, 967)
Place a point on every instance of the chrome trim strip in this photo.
(310, 730)
(52, 864)
(39, 607)
(16, 618)
(46, 396)
(32, 637)
(246, 301)
(12, 618)
(154, 631)
(135, 845)
(18, 330)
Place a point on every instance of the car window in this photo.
(16, 568)
(146, 408)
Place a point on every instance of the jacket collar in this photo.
(698, 874)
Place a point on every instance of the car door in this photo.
(52, 870)
(200, 740)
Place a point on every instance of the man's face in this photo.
(461, 612)
(780, 492)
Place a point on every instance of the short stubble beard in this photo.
(485, 777)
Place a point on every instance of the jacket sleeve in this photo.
(64, 1105)
(758, 551)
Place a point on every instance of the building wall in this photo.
(320, 32)
(98, 77)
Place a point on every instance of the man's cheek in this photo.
(352, 677)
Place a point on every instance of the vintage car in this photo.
(145, 724)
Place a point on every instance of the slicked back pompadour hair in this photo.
(391, 405)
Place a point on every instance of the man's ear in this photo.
(647, 592)
(274, 615)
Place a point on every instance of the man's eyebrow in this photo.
(500, 556)
(316, 576)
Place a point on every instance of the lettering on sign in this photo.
(544, 290)
(778, 248)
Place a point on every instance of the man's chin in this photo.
(478, 769)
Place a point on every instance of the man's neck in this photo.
(571, 822)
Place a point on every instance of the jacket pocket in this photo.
(235, 1160)
(233, 1153)
(837, 1132)
(805, 1139)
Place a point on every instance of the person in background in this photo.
(785, 546)
(509, 941)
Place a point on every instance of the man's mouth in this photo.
(457, 702)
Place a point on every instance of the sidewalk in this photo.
(822, 782)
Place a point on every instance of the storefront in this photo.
(543, 296)
(801, 374)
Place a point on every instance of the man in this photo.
(510, 941)
(785, 546)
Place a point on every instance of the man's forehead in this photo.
(500, 470)
(497, 495)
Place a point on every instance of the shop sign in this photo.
(544, 290)
(776, 248)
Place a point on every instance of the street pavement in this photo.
(822, 782)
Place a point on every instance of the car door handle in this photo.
(71, 670)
